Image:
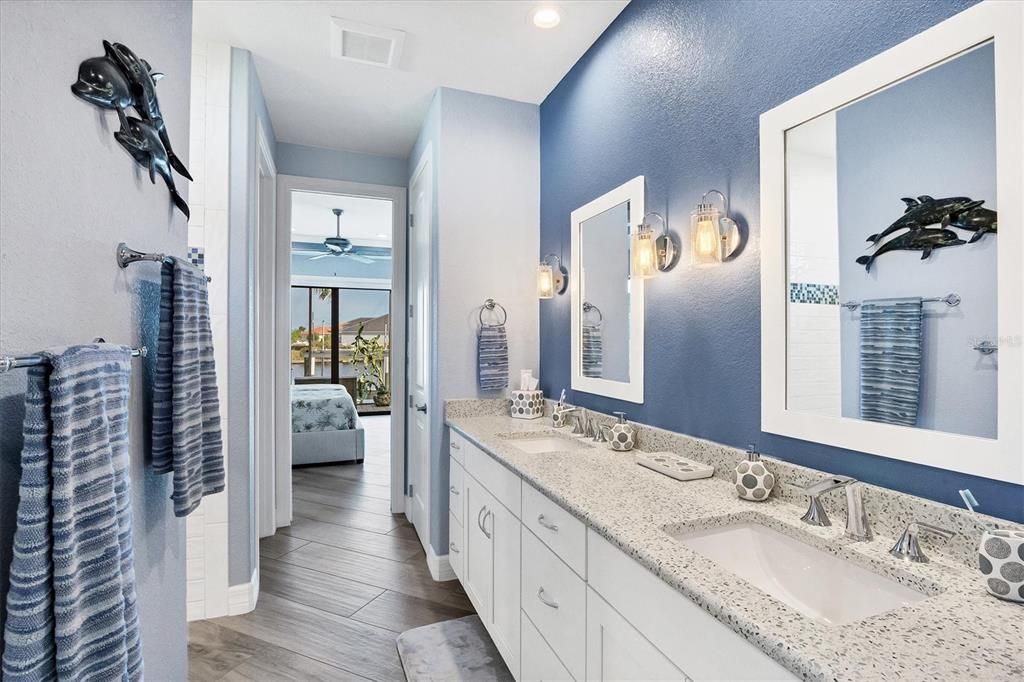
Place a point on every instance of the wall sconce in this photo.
(643, 252)
(714, 234)
(551, 280)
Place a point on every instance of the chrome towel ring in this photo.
(590, 307)
(491, 304)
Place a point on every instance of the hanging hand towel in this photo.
(890, 360)
(492, 357)
(592, 355)
(186, 411)
(71, 608)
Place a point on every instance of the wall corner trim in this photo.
(440, 568)
(242, 597)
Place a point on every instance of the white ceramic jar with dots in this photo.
(753, 480)
(1001, 561)
(623, 435)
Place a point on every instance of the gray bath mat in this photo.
(451, 650)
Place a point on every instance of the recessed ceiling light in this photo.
(545, 16)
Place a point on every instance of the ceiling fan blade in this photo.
(322, 255)
(359, 259)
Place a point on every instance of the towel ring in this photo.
(491, 304)
(588, 307)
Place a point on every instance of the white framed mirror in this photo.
(891, 211)
(607, 304)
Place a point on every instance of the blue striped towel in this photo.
(186, 412)
(890, 360)
(71, 608)
(592, 356)
(492, 357)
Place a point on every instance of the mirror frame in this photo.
(632, 390)
(1001, 458)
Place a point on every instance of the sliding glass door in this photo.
(342, 335)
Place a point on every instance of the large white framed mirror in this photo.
(607, 304)
(891, 210)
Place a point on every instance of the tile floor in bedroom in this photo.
(336, 587)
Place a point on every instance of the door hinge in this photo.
(412, 220)
(410, 490)
(410, 401)
(410, 310)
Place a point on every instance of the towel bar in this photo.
(950, 299)
(126, 256)
(9, 362)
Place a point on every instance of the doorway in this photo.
(340, 284)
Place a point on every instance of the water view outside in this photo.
(313, 335)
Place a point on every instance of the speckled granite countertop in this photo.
(958, 633)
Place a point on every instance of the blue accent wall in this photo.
(673, 90)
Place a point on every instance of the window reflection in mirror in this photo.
(604, 282)
(891, 201)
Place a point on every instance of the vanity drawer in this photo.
(540, 664)
(492, 475)
(457, 446)
(456, 490)
(558, 529)
(555, 599)
(456, 545)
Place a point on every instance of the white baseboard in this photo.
(242, 598)
(440, 567)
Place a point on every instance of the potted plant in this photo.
(372, 352)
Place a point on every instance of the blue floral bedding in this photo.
(322, 407)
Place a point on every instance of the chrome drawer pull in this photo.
(453, 490)
(547, 602)
(547, 524)
(484, 526)
(452, 547)
(479, 522)
(455, 446)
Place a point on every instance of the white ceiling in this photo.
(366, 222)
(485, 46)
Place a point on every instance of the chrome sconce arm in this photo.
(666, 246)
(551, 280)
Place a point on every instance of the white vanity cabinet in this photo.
(562, 603)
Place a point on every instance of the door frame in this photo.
(286, 184)
(263, 352)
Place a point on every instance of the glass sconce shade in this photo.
(707, 239)
(545, 281)
(644, 254)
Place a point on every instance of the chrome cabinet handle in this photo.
(453, 490)
(455, 446)
(422, 408)
(547, 524)
(452, 547)
(544, 600)
(479, 522)
(484, 527)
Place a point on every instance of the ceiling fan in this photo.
(340, 246)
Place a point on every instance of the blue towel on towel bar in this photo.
(186, 411)
(492, 357)
(71, 608)
(592, 347)
(890, 360)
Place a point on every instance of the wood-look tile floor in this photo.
(336, 587)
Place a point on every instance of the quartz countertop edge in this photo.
(958, 631)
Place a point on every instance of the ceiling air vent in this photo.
(355, 42)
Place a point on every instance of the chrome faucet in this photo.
(908, 547)
(857, 527)
(579, 427)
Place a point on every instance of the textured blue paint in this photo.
(673, 91)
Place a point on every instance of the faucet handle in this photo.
(908, 547)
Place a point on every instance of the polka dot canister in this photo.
(753, 480)
(1001, 562)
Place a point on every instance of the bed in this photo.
(325, 425)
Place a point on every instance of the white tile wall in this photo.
(207, 532)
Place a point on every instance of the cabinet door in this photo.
(478, 556)
(504, 529)
(616, 651)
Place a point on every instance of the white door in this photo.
(263, 368)
(617, 651)
(420, 195)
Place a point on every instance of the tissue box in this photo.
(526, 404)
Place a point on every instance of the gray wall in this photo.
(70, 194)
(247, 105)
(331, 164)
(487, 174)
(898, 143)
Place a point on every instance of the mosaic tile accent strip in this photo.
(804, 292)
(197, 255)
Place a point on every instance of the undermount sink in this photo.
(540, 445)
(814, 582)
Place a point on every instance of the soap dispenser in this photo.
(753, 481)
(623, 434)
